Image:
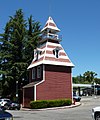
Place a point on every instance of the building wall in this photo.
(57, 84)
(28, 96)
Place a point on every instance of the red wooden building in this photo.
(51, 69)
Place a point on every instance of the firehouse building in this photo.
(51, 69)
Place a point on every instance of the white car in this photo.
(96, 113)
(3, 101)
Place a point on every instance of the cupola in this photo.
(50, 31)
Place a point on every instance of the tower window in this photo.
(37, 54)
(57, 55)
(39, 72)
(33, 73)
(56, 52)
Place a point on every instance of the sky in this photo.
(78, 20)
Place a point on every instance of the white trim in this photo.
(35, 64)
(54, 44)
(50, 27)
(34, 92)
(51, 63)
(39, 83)
(82, 85)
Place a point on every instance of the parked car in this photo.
(3, 101)
(96, 113)
(76, 98)
(4, 115)
(14, 106)
(8, 104)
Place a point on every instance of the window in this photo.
(57, 55)
(39, 72)
(56, 52)
(33, 73)
(37, 53)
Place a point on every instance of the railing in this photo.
(52, 36)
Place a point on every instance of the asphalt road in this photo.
(82, 112)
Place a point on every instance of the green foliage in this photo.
(78, 79)
(17, 44)
(97, 80)
(50, 103)
(87, 78)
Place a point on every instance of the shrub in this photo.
(38, 104)
(50, 103)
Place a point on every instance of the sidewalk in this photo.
(53, 108)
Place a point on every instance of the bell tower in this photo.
(50, 70)
(50, 31)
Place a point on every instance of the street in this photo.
(82, 112)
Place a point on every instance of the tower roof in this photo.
(50, 24)
(46, 55)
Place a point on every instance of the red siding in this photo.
(57, 83)
(28, 96)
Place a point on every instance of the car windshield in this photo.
(7, 100)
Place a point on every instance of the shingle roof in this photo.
(31, 84)
(51, 25)
(46, 56)
(50, 52)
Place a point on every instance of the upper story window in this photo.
(37, 53)
(39, 72)
(33, 73)
(56, 52)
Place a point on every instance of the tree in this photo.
(17, 44)
(97, 80)
(4, 56)
(89, 76)
(32, 39)
(78, 79)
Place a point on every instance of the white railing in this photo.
(52, 36)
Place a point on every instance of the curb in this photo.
(53, 108)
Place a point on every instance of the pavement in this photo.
(53, 108)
